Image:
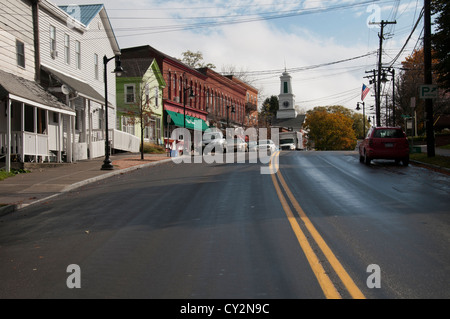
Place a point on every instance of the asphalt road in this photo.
(324, 226)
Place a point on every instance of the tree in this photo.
(407, 87)
(241, 74)
(269, 109)
(140, 112)
(440, 42)
(330, 128)
(195, 60)
(137, 106)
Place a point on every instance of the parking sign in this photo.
(428, 91)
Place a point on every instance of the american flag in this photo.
(365, 91)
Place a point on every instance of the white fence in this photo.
(125, 142)
(25, 143)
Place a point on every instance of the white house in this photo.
(74, 40)
(30, 118)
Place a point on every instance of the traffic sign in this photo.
(428, 91)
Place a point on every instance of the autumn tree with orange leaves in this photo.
(330, 129)
(407, 87)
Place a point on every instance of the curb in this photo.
(15, 207)
(440, 169)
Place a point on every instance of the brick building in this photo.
(198, 93)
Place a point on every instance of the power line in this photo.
(407, 40)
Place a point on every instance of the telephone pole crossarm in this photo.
(380, 55)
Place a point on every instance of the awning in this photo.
(29, 92)
(192, 123)
(82, 88)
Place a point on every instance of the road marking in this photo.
(326, 284)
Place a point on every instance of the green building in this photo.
(139, 92)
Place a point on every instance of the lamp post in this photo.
(232, 111)
(191, 95)
(118, 70)
(364, 116)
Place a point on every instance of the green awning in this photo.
(191, 122)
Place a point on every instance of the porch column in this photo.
(84, 124)
(8, 135)
(47, 151)
(60, 137)
(89, 115)
(35, 134)
(22, 132)
(69, 139)
(72, 120)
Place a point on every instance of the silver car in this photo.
(267, 145)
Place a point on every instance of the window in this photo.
(96, 66)
(101, 118)
(67, 48)
(147, 93)
(20, 51)
(53, 41)
(388, 133)
(78, 55)
(127, 125)
(156, 97)
(286, 87)
(129, 93)
(158, 129)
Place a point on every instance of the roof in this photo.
(294, 123)
(80, 87)
(86, 13)
(11, 84)
(148, 51)
(135, 68)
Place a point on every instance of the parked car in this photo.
(238, 144)
(267, 145)
(214, 138)
(252, 146)
(385, 143)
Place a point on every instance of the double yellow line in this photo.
(324, 280)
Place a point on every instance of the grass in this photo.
(4, 174)
(150, 148)
(438, 160)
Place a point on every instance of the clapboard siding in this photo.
(16, 23)
(93, 40)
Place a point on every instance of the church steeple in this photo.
(286, 98)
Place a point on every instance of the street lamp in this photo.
(191, 95)
(364, 116)
(232, 111)
(118, 70)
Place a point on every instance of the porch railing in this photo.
(25, 143)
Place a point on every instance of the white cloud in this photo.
(257, 46)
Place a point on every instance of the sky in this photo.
(326, 45)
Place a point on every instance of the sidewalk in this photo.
(39, 185)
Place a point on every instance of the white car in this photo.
(252, 146)
(214, 138)
(238, 144)
(267, 145)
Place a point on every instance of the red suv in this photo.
(385, 143)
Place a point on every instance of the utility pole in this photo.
(393, 96)
(380, 54)
(428, 78)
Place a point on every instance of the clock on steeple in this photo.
(286, 98)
